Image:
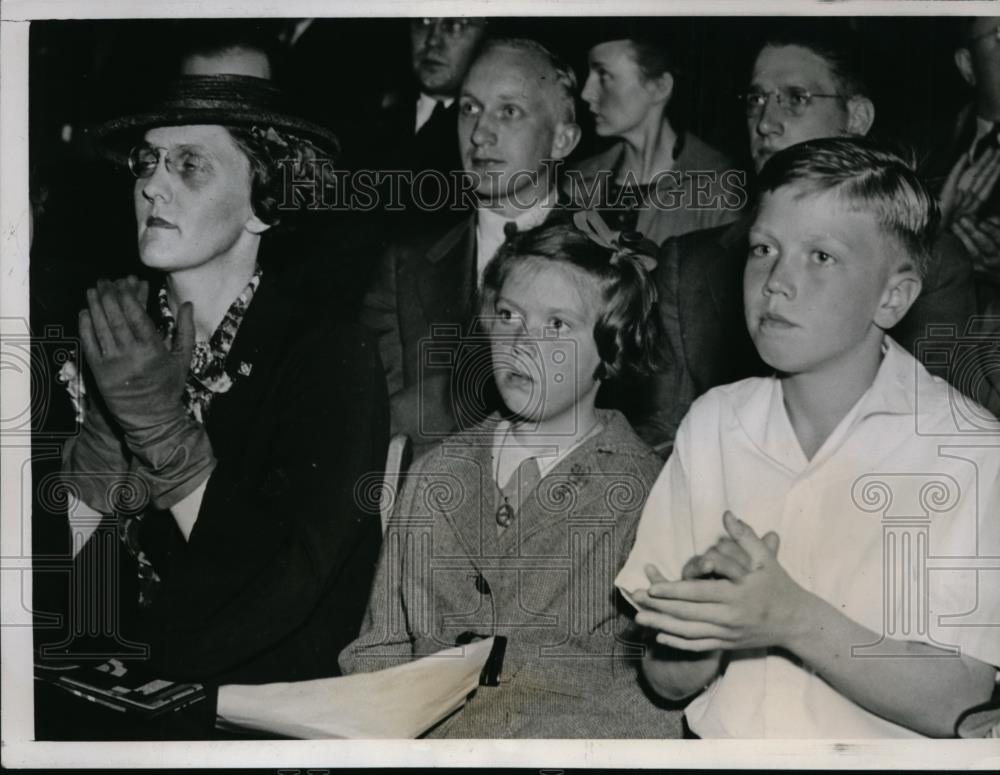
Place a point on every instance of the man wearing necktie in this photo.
(516, 113)
(417, 124)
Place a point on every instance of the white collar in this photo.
(425, 108)
(491, 221)
(547, 455)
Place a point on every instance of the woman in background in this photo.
(657, 179)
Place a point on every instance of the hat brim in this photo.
(226, 100)
(114, 138)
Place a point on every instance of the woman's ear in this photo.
(566, 136)
(901, 291)
(661, 87)
(256, 226)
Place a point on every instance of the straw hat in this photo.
(229, 100)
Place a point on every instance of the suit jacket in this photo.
(424, 285)
(429, 190)
(700, 284)
(435, 146)
(546, 583)
(276, 572)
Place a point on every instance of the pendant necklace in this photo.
(505, 512)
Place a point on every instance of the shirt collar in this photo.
(547, 455)
(893, 391)
(425, 108)
(491, 222)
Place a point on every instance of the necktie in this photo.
(437, 116)
(516, 491)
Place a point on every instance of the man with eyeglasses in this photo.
(806, 83)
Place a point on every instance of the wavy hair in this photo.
(628, 327)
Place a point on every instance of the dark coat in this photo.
(275, 577)
(700, 283)
(435, 146)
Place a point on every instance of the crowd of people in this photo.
(649, 393)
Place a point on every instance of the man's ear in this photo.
(256, 226)
(567, 135)
(860, 115)
(901, 291)
(963, 61)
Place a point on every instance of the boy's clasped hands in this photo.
(735, 595)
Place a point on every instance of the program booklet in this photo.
(115, 685)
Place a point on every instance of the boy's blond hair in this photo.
(868, 178)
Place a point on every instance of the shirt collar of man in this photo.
(490, 228)
(425, 108)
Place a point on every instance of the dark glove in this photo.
(95, 466)
(141, 380)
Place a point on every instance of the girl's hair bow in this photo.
(629, 244)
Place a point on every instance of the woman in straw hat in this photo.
(226, 426)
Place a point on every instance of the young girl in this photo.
(517, 526)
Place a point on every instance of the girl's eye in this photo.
(506, 316)
(468, 109)
(760, 251)
(823, 259)
(558, 324)
(511, 111)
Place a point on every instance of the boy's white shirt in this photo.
(736, 450)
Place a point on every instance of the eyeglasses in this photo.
(190, 165)
(452, 27)
(994, 33)
(791, 99)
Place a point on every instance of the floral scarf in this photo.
(208, 374)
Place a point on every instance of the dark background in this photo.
(84, 71)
